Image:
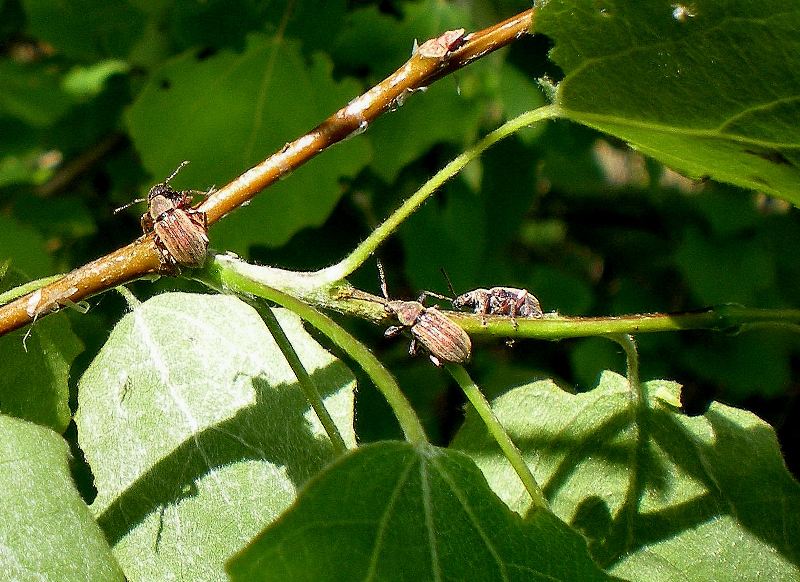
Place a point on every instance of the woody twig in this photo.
(433, 60)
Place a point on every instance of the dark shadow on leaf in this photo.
(273, 429)
(729, 471)
(593, 519)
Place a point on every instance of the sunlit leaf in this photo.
(46, 531)
(659, 495)
(197, 432)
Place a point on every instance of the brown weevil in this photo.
(496, 301)
(180, 231)
(500, 301)
(444, 340)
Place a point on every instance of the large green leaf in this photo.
(197, 432)
(86, 29)
(25, 248)
(46, 530)
(32, 93)
(391, 511)
(658, 494)
(35, 364)
(231, 110)
(707, 87)
(224, 24)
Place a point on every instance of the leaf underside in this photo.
(709, 88)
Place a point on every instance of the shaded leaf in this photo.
(25, 247)
(228, 112)
(390, 511)
(222, 24)
(720, 272)
(84, 29)
(709, 88)
(658, 494)
(32, 93)
(197, 432)
(46, 530)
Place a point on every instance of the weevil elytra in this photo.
(444, 340)
(180, 231)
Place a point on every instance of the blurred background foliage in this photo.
(99, 100)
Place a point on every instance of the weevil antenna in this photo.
(128, 205)
(449, 282)
(178, 169)
(382, 276)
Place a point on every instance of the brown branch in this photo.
(141, 256)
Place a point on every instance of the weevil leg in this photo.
(382, 276)
(482, 307)
(393, 331)
(146, 222)
(513, 312)
(435, 360)
(167, 260)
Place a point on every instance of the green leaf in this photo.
(382, 42)
(518, 93)
(228, 112)
(32, 93)
(720, 272)
(34, 370)
(439, 114)
(86, 29)
(25, 247)
(197, 432)
(46, 530)
(390, 511)
(659, 495)
(224, 24)
(85, 82)
(707, 87)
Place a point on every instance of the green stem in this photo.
(129, 297)
(307, 383)
(632, 365)
(217, 275)
(639, 410)
(726, 318)
(510, 450)
(363, 251)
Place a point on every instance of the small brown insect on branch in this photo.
(444, 340)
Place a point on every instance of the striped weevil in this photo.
(180, 231)
(444, 340)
